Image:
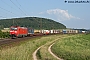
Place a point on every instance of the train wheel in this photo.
(23, 36)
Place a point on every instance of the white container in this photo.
(51, 31)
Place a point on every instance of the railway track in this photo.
(9, 41)
(14, 42)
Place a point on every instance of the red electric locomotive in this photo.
(17, 31)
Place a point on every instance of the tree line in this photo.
(33, 22)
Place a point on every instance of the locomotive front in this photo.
(16, 31)
(13, 31)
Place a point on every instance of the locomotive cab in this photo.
(16, 31)
(13, 32)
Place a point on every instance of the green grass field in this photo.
(76, 47)
(68, 47)
(25, 50)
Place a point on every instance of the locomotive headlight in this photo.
(11, 31)
(15, 31)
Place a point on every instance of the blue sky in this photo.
(73, 15)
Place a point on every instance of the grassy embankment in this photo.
(73, 48)
(24, 51)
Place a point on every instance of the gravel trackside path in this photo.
(49, 49)
(35, 52)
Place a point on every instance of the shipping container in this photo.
(37, 31)
(30, 31)
(45, 31)
(51, 31)
(64, 31)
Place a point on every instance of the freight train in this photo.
(17, 31)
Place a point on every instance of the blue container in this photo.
(30, 31)
(64, 31)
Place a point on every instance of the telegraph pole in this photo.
(13, 22)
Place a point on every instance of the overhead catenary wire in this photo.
(8, 5)
(13, 8)
(8, 11)
(22, 7)
(2, 17)
(19, 8)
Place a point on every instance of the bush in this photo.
(4, 34)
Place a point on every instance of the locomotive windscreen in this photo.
(13, 28)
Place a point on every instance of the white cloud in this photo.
(41, 13)
(60, 14)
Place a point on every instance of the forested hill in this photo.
(33, 22)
